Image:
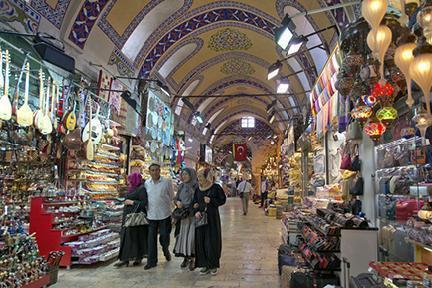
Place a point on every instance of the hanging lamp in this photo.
(362, 113)
(387, 115)
(369, 100)
(375, 129)
(403, 58)
(383, 93)
(423, 121)
(373, 11)
(421, 72)
(379, 40)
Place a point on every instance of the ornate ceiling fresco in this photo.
(200, 47)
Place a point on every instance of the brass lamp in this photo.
(423, 121)
(373, 11)
(424, 16)
(403, 58)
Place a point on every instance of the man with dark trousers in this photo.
(160, 196)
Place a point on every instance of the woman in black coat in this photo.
(133, 243)
(208, 238)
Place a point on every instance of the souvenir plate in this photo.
(154, 118)
(153, 146)
(153, 133)
(160, 121)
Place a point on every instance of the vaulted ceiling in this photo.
(201, 47)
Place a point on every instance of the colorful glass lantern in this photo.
(361, 113)
(375, 129)
(387, 115)
(369, 100)
(383, 93)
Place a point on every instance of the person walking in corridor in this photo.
(160, 196)
(185, 240)
(244, 189)
(208, 237)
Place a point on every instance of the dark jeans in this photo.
(164, 228)
(263, 198)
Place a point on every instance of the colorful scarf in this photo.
(135, 180)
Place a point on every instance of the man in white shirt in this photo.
(160, 196)
(244, 189)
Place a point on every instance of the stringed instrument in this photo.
(95, 126)
(53, 116)
(1, 70)
(46, 121)
(24, 113)
(38, 115)
(5, 104)
(70, 118)
(89, 145)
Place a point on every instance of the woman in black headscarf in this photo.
(208, 238)
(185, 240)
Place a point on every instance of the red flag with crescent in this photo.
(240, 152)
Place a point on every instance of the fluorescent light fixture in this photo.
(268, 137)
(250, 138)
(274, 69)
(282, 85)
(295, 44)
(275, 136)
(190, 140)
(271, 117)
(272, 142)
(271, 106)
(284, 33)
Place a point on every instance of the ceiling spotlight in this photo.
(272, 142)
(295, 44)
(274, 69)
(163, 88)
(250, 138)
(190, 140)
(282, 85)
(275, 136)
(198, 117)
(284, 33)
(271, 117)
(208, 125)
(268, 137)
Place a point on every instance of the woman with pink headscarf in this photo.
(133, 244)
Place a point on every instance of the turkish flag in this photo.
(240, 152)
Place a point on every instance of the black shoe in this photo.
(137, 263)
(149, 266)
(191, 264)
(185, 263)
(167, 256)
(121, 264)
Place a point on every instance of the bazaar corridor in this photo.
(248, 259)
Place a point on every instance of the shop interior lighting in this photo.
(198, 117)
(272, 142)
(190, 140)
(296, 44)
(208, 125)
(274, 69)
(282, 85)
(271, 106)
(163, 88)
(250, 138)
(271, 118)
(284, 33)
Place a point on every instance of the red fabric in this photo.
(240, 152)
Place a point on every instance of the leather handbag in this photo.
(346, 159)
(203, 221)
(180, 213)
(354, 131)
(356, 162)
(358, 187)
(136, 219)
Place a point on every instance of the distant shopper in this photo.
(208, 238)
(244, 189)
(264, 191)
(160, 196)
(185, 240)
(133, 243)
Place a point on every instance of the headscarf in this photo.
(186, 190)
(209, 175)
(135, 180)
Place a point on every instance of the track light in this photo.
(198, 117)
(208, 125)
(271, 117)
(295, 44)
(284, 33)
(163, 88)
(282, 85)
(274, 69)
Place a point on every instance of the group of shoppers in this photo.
(198, 199)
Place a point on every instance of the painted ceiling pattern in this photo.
(237, 66)
(229, 40)
(225, 59)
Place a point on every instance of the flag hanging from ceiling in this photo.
(240, 152)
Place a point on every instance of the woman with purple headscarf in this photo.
(133, 244)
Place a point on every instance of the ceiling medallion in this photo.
(229, 40)
(237, 67)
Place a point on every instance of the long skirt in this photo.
(185, 240)
(133, 243)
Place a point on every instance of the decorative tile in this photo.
(237, 66)
(124, 67)
(53, 15)
(20, 15)
(228, 40)
(85, 20)
(120, 40)
(207, 20)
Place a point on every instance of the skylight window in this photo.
(248, 122)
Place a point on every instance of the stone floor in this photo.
(249, 259)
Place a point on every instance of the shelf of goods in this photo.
(56, 221)
(141, 160)
(402, 274)
(20, 262)
(324, 238)
(94, 247)
(294, 179)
